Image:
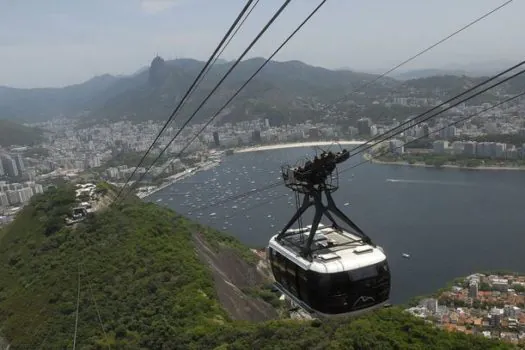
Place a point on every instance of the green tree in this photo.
(484, 286)
(439, 162)
(143, 278)
(518, 288)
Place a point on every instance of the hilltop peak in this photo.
(157, 71)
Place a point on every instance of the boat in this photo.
(406, 256)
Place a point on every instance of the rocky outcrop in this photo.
(157, 71)
(232, 276)
(4, 344)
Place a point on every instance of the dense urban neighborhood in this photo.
(492, 305)
(111, 150)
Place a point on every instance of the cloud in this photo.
(157, 6)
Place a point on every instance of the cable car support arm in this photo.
(314, 198)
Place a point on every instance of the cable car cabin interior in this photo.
(344, 277)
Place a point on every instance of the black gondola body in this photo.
(327, 270)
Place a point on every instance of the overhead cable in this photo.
(76, 313)
(249, 79)
(279, 183)
(510, 99)
(409, 122)
(193, 86)
(410, 59)
(368, 83)
(265, 28)
(273, 198)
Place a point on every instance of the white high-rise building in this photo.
(25, 194)
(440, 146)
(363, 126)
(396, 146)
(4, 201)
(9, 165)
(37, 188)
(431, 304)
(19, 163)
(473, 289)
(500, 150)
(373, 130)
(14, 197)
(469, 148)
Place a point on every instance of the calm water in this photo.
(451, 222)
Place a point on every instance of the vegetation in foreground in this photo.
(142, 286)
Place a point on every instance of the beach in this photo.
(170, 180)
(297, 144)
(148, 191)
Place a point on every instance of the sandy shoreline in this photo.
(297, 144)
(208, 165)
(446, 166)
(177, 177)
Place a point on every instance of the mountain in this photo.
(139, 97)
(283, 92)
(12, 133)
(483, 68)
(472, 69)
(29, 105)
(275, 89)
(425, 73)
(448, 86)
(143, 277)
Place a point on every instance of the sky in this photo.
(62, 42)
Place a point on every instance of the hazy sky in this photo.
(60, 42)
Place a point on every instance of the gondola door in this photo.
(302, 285)
(275, 262)
(291, 277)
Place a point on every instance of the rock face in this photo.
(4, 345)
(232, 275)
(157, 71)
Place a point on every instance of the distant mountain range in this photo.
(478, 69)
(151, 93)
(425, 73)
(282, 90)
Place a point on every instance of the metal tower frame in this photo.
(313, 196)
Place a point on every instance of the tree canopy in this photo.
(143, 286)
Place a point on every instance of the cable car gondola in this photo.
(327, 270)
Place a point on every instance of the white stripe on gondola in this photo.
(342, 256)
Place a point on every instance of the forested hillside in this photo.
(141, 283)
(152, 93)
(288, 92)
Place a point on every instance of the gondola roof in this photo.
(332, 251)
